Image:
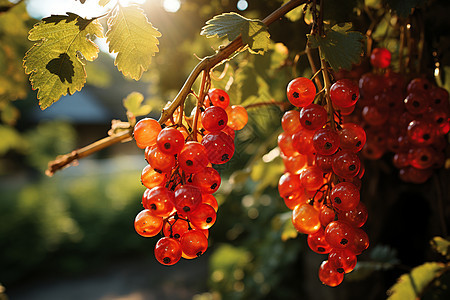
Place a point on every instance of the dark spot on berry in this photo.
(214, 185)
(354, 96)
(295, 95)
(320, 249)
(186, 208)
(424, 158)
(369, 151)
(199, 253)
(425, 86)
(158, 171)
(225, 157)
(308, 122)
(221, 98)
(338, 200)
(426, 136)
(358, 143)
(167, 145)
(166, 260)
(153, 206)
(437, 101)
(189, 162)
(208, 220)
(344, 242)
(328, 145)
(391, 104)
(221, 122)
(340, 270)
(176, 235)
(440, 120)
(416, 104)
(352, 167)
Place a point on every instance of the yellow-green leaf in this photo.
(441, 245)
(133, 104)
(253, 32)
(55, 61)
(133, 38)
(413, 284)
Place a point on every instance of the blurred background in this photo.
(71, 236)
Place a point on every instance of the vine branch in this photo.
(205, 65)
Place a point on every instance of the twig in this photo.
(205, 65)
(69, 158)
(5, 8)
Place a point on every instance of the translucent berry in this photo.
(237, 117)
(170, 141)
(339, 234)
(168, 251)
(147, 224)
(301, 91)
(218, 97)
(193, 243)
(346, 164)
(193, 157)
(290, 122)
(313, 116)
(317, 242)
(203, 217)
(159, 200)
(145, 132)
(208, 180)
(344, 93)
(214, 118)
(219, 147)
(306, 219)
(345, 196)
(342, 260)
(325, 141)
(329, 276)
(380, 58)
(187, 198)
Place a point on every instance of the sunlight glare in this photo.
(242, 5)
(43, 8)
(171, 5)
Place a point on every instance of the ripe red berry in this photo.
(145, 132)
(313, 116)
(159, 200)
(329, 276)
(170, 141)
(214, 118)
(219, 147)
(168, 251)
(218, 97)
(147, 224)
(301, 91)
(344, 93)
(193, 243)
(345, 196)
(380, 58)
(193, 157)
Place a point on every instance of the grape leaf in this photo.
(133, 104)
(442, 246)
(413, 284)
(339, 47)
(133, 37)
(54, 62)
(253, 32)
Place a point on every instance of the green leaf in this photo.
(55, 61)
(253, 32)
(133, 104)
(103, 2)
(295, 14)
(441, 245)
(133, 38)
(404, 7)
(413, 284)
(339, 47)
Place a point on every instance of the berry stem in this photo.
(327, 82)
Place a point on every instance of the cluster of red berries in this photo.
(180, 179)
(409, 119)
(323, 174)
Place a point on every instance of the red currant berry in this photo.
(301, 91)
(170, 141)
(344, 93)
(168, 251)
(145, 132)
(219, 147)
(380, 58)
(147, 224)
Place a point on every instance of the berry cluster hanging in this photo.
(180, 178)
